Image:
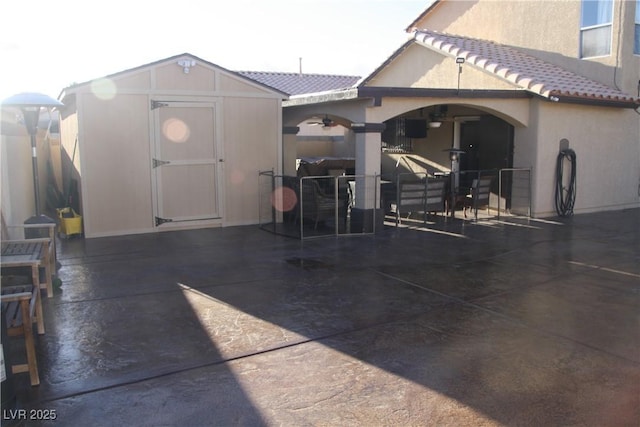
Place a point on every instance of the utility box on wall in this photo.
(169, 145)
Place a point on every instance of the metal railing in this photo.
(320, 206)
(317, 206)
(510, 189)
(515, 190)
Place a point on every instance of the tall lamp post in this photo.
(30, 104)
(454, 156)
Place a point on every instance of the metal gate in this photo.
(315, 206)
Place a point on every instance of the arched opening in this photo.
(420, 141)
(427, 133)
(416, 142)
(324, 146)
(305, 133)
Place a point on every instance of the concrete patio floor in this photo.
(514, 322)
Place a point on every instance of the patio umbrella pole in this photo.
(34, 163)
(31, 122)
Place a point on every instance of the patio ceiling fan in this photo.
(325, 123)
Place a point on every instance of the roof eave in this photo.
(593, 101)
(321, 97)
(378, 93)
(533, 86)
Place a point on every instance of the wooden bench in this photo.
(22, 307)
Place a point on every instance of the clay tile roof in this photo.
(297, 84)
(524, 70)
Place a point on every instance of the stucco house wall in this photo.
(549, 30)
(520, 63)
(606, 138)
(419, 68)
(607, 165)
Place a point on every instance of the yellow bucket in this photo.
(70, 221)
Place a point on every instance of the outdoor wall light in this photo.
(459, 61)
(31, 104)
(186, 65)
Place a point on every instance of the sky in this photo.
(47, 45)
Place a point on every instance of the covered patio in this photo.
(506, 322)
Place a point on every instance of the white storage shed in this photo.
(174, 144)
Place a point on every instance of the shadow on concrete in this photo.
(513, 322)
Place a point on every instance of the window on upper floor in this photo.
(595, 28)
(636, 45)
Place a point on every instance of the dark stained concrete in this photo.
(512, 322)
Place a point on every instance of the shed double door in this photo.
(185, 162)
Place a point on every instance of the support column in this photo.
(367, 191)
(289, 150)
